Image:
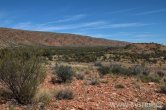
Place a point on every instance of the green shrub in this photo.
(64, 73)
(132, 71)
(20, 71)
(115, 68)
(149, 78)
(119, 86)
(103, 70)
(64, 94)
(138, 69)
(118, 69)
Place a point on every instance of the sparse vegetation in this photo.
(79, 76)
(64, 73)
(67, 71)
(149, 78)
(118, 69)
(96, 61)
(43, 97)
(94, 81)
(103, 70)
(138, 70)
(64, 94)
(119, 86)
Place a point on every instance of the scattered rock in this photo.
(151, 83)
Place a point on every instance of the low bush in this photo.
(64, 73)
(21, 72)
(138, 69)
(132, 71)
(103, 70)
(115, 68)
(94, 81)
(119, 86)
(149, 78)
(118, 69)
(79, 76)
(64, 94)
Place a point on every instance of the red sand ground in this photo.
(100, 97)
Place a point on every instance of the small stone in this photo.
(151, 83)
(114, 93)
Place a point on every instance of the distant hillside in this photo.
(14, 37)
(145, 47)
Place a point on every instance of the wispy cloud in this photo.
(119, 25)
(85, 25)
(68, 23)
(72, 18)
(41, 27)
(69, 26)
(151, 12)
(122, 11)
(125, 25)
(66, 19)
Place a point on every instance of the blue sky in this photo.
(125, 20)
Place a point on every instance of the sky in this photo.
(124, 20)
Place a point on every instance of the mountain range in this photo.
(15, 37)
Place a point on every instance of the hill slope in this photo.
(145, 47)
(10, 37)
